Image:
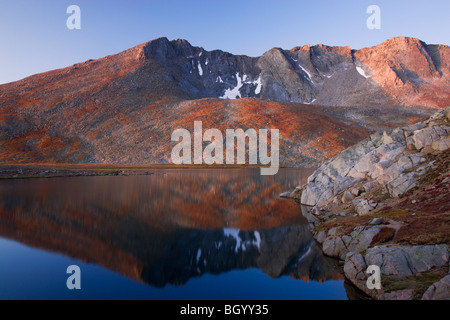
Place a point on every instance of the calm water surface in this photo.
(175, 234)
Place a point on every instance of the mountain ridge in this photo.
(123, 108)
(382, 74)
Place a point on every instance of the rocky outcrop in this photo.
(400, 71)
(385, 158)
(338, 246)
(439, 290)
(384, 202)
(399, 263)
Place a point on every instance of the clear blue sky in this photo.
(34, 37)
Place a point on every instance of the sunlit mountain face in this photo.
(123, 108)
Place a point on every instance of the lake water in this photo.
(174, 234)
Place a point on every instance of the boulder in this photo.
(439, 290)
(400, 262)
(356, 192)
(405, 261)
(321, 236)
(376, 222)
(402, 184)
(425, 137)
(355, 267)
(407, 294)
(361, 238)
(363, 206)
(348, 196)
(441, 145)
(334, 247)
(377, 160)
(370, 185)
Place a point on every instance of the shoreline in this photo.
(385, 202)
(59, 170)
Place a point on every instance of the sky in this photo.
(34, 37)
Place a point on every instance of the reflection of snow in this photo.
(240, 244)
(258, 239)
(306, 253)
(199, 253)
(234, 233)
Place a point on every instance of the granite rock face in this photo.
(387, 222)
(383, 159)
(401, 263)
(439, 290)
(319, 74)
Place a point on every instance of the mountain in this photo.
(123, 108)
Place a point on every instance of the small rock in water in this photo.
(285, 194)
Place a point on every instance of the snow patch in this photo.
(258, 239)
(307, 73)
(310, 101)
(361, 72)
(305, 254)
(200, 70)
(219, 79)
(234, 93)
(207, 61)
(258, 85)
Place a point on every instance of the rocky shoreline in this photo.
(386, 202)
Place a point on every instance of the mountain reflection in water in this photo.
(171, 226)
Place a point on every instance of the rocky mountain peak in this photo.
(400, 71)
